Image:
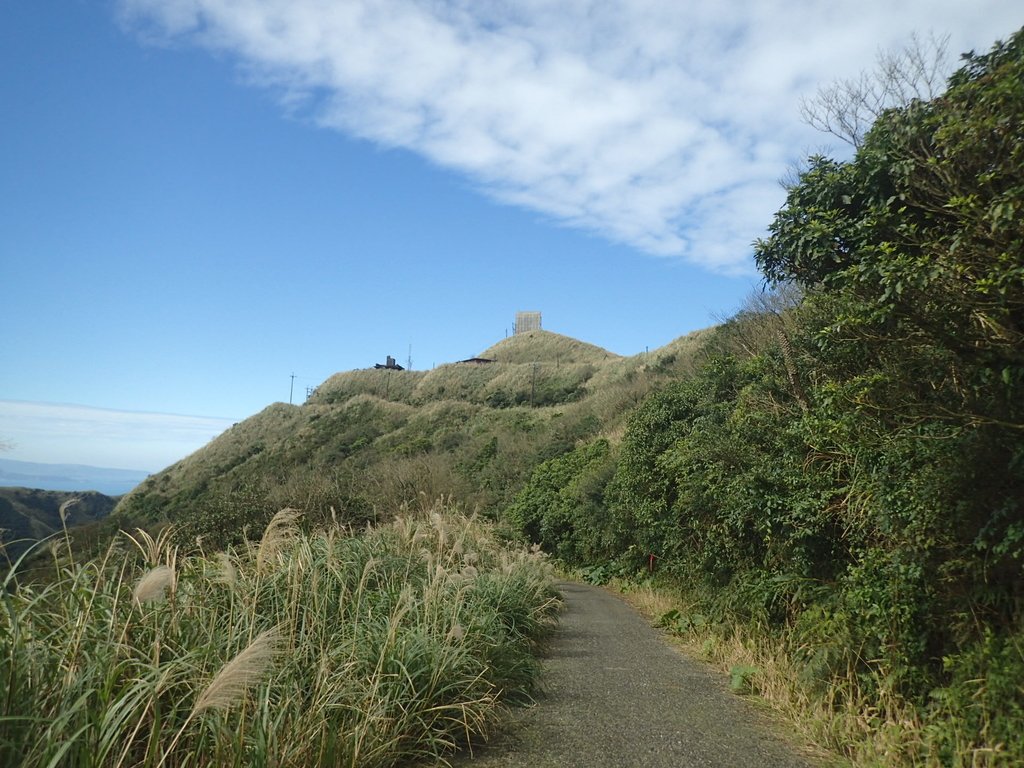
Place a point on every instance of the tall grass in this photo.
(335, 649)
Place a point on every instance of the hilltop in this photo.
(547, 347)
(375, 439)
(536, 368)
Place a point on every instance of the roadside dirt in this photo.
(616, 694)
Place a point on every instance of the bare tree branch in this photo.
(848, 107)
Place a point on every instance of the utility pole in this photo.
(291, 390)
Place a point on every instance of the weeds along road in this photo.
(615, 694)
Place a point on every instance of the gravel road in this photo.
(616, 694)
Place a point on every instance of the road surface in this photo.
(616, 694)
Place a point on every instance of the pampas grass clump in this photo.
(328, 649)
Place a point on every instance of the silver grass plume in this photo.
(245, 670)
(226, 571)
(153, 586)
(63, 511)
(282, 528)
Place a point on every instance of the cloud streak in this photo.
(661, 125)
(74, 434)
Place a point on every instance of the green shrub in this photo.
(562, 506)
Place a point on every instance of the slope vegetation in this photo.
(372, 440)
(842, 483)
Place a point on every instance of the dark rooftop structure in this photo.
(390, 365)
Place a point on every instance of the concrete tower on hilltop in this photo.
(527, 321)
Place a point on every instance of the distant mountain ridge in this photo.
(68, 477)
(28, 515)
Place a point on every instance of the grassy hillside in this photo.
(547, 347)
(376, 439)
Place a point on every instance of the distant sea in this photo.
(68, 477)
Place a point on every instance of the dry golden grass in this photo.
(546, 347)
(382, 383)
(456, 381)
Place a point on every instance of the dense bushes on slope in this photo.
(852, 482)
(563, 506)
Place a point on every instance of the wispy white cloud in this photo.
(662, 125)
(74, 434)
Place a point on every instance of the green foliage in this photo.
(846, 473)
(741, 678)
(562, 506)
(919, 242)
(982, 707)
(598, 575)
(913, 256)
(679, 623)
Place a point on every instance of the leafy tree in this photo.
(562, 506)
(912, 256)
(922, 238)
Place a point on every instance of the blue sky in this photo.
(201, 197)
